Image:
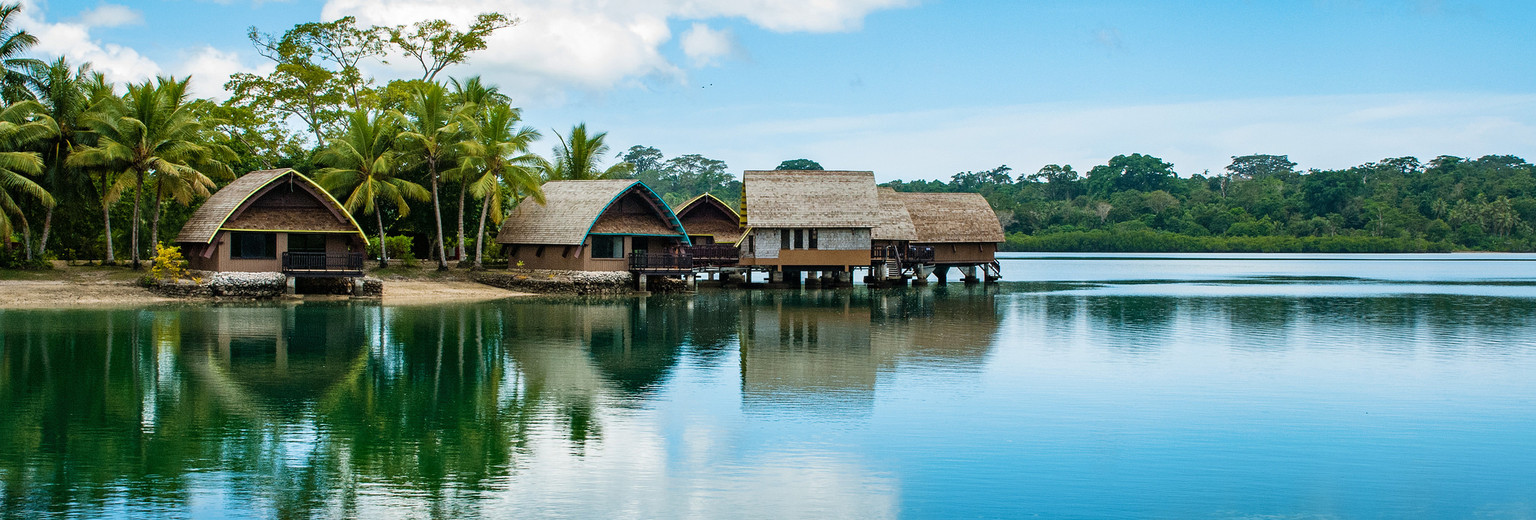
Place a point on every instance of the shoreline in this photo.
(67, 286)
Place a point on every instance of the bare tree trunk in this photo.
(42, 243)
(138, 202)
(383, 244)
(459, 247)
(106, 219)
(26, 237)
(485, 207)
(437, 216)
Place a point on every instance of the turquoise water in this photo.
(1090, 386)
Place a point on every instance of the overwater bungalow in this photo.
(961, 229)
(274, 221)
(714, 229)
(596, 225)
(808, 221)
(892, 239)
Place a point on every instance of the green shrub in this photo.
(399, 248)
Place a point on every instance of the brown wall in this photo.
(813, 258)
(220, 261)
(963, 252)
(556, 257)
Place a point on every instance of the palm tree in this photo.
(20, 125)
(474, 97)
(580, 158)
(18, 76)
(499, 165)
(101, 95)
(63, 93)
(183, 185)
(363, 161)
(431, 135)
(152, 130)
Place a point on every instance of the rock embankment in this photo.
(559, 282)
(257, 286)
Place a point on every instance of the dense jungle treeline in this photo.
(1261, 203)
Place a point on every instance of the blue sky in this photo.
(926, 89)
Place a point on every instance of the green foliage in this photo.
(579, 157)
(436, 44)
(799, 164)
(399, 247)
(1260, 203)
(683, 177)
(1150, 241)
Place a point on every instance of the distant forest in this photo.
(1261, 203)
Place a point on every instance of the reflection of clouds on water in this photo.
(697, 477)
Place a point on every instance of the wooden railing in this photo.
(642, 261)
(906, 255)
(323, 264)
(714, 255)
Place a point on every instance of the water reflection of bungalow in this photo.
(824, 351)
(274, 221)
(596, 225)
(808, 221)
(960, 228)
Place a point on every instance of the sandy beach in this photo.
(69, 286)
(419, 292)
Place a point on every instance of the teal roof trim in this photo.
(677, 224)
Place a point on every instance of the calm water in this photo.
(1161, 386)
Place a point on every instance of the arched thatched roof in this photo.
(572, 210)
(708, 215)
(227, 205)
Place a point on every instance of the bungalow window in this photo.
(799, 239)
(245, 245)
(784, 239)
(607, 246)
(306, 243)
(812, 240)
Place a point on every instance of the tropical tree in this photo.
(21, 124)
(498, 167)
(362, 163)
(433, 130)
(580, 158)
(62, 92)
(799, 164)
(473, 97)
(152, 130)
(18, 75)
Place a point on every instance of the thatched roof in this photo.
(803, 198)
(571, 209)
(708, 215)
(231, 203)
(952, 217)
(895, 223)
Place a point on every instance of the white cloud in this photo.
(1322, 132)
(705, 46)
(210, 68)
(74, 41)
(595, 45)
(111, 15)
